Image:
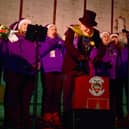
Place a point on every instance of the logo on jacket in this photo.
(96, 88)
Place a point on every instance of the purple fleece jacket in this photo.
(51, 61)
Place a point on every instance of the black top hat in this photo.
(88, 18)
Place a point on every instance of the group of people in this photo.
(116, 52)
(60, 62)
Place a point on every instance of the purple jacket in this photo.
(19, 56)
(123, 62)
(112, 55)
(51, 61)
(106, 66)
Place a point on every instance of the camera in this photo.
(36, 33)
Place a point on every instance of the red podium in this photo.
(91, 93)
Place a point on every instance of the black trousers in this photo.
(18, 92)
(52, 90)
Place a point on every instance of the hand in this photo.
(12, 36)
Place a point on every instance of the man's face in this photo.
(85, 28)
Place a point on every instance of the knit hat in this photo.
(23, 21)
(50, 25)
(114, 35)
(103, 33)
(17, 24)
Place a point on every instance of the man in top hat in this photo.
(80, 39)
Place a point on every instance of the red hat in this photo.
(88, 18)
(16, 25)
(23, 20)
(114, 35)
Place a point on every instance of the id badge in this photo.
(52, 53)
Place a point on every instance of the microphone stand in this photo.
(36, 33)
(36, 87)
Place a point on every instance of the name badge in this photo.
(52, 53)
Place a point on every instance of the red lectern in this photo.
(91, 93)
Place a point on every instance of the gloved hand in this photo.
(12, 36)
